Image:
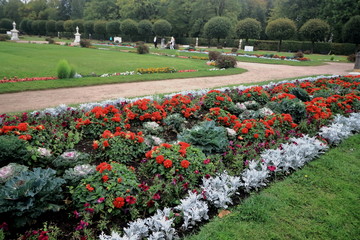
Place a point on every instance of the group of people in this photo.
(172, 42)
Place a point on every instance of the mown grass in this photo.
(321, 201)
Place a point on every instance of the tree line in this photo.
(187, 18)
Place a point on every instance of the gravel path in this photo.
(33, 100)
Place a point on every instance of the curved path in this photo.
(32, 100)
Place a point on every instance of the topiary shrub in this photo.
(64, 70)
(26, 196)
(351, 58)
(206, 136)
(12, 149)
(224, 61)
(85, 43)
(141, 48)
(213, 55)
(234, 50)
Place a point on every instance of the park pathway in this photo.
(35, 100)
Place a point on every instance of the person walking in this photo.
(155, 42)
(172, 43)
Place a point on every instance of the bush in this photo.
(351, 58)
(224, 61)
(141, 48)
(85, 43)
(207, 137)
(50, 40)
(64, 70)
(4, 37)
(12, 149)
(294, 107)
(234, 50)
(299, 54)
(213, 55)
(31, 193)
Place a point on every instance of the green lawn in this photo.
(321, 201)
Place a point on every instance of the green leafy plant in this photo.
(64, 70)
(108, 191)
(29, 194)
(122, 147)
(12, 149)
(301, 94)
(294, 107)
(175, 122)
(70, 158)
(225, 61)
(172, 170)
(215, 98)
(206, 136)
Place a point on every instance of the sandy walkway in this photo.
(32, 100)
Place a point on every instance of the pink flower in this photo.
(206, 161)
(100, 200)
(156, 196)
(272, 168)
(130, 200)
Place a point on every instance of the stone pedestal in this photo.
(14, 33)
(240, 43)
(162, 43)
(197, 42)
(357, 63)
(77, 36)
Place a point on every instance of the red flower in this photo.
(119, 202)
(106, 143)
(105, 178)
(256, 135)
(160, 159)
(95, 144)
(245, 130)
(185, 163)
(157, 196)
(150, 203)
(166, 145)
(272, 168)
(103, 166)
(168, 163)
(22, 126)
(130, 200)
(89, 188)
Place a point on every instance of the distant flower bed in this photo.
(156, 70)
(15, 79)
(264, 56)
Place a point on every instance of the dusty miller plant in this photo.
(193, 210)
(218, 190)
(255, 176)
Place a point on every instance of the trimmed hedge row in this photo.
(271, 45)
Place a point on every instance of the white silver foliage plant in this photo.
(218, 190)
(193, 210)
(295, 154)
(255, 176)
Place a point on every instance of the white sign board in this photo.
(249, 48)
(117, 39)
(8, 32)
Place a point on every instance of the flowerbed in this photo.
(15, 79)
(110, 163)
(263, 56)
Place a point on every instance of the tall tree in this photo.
(297, 10)
(280, 29)
(12, 10)
(337, 13)
(217, 27)
(64, 9)
(129, 27)
(248, 28)
(141, 9)
(351, 30)
(101, 10)
(315, 30)
(180, 22)
(77, 9)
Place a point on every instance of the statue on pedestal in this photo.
(14, 33)
(77, 35)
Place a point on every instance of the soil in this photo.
(35, 100)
